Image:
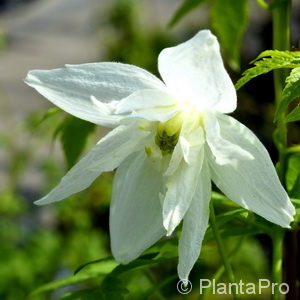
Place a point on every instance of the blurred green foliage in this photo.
(40, 244)
(229, 20)
(2, 39)
(131, 41)
(70, 128)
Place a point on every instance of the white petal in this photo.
(144, 99)
(195, 223)
(223, 150)
(71, 88)
(175, 160)
(181, 186)
(194, 72)
(160, 114)
(190, 140)
(105, 156)
(191, 143)
(151, 105)
(135, 211)
(253, 184)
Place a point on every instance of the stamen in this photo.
(166, 142)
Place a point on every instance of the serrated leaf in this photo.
(229, 20)
(293, 56)
(294, 115)
(268, 61)
(290, 92)
(184, 9)
(73, 135)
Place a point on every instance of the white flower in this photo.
(170, 139)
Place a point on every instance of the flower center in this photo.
(168, 133)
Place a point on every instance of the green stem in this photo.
(281, 41)
(277, 242)
(263, 4)
(221, 270)
(221, 248)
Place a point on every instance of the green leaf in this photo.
(97, 269)
(87, 294)
(143, 261)
(294, 115)
(73, 135)
(148, 256)
(49, 113)
(229, 20)
(93, 272)
(293, 176)
(97, 261)
(291, 91)
(65, 282)
(296, 202)
(185, 8)
(295, 192)
(224, 218)
(268, 61)
(112, 289)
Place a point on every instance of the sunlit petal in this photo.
(194, 72)
(71, 88)
(145, 99)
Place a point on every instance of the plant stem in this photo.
(221, 269)
(277, 242)
(281, 41)
(221, 248)
(263, 4)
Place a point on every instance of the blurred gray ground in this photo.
(42, 34)
(46, 34)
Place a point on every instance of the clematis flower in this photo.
(169, 139)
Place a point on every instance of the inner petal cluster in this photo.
(167, 134)
(178, 129)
